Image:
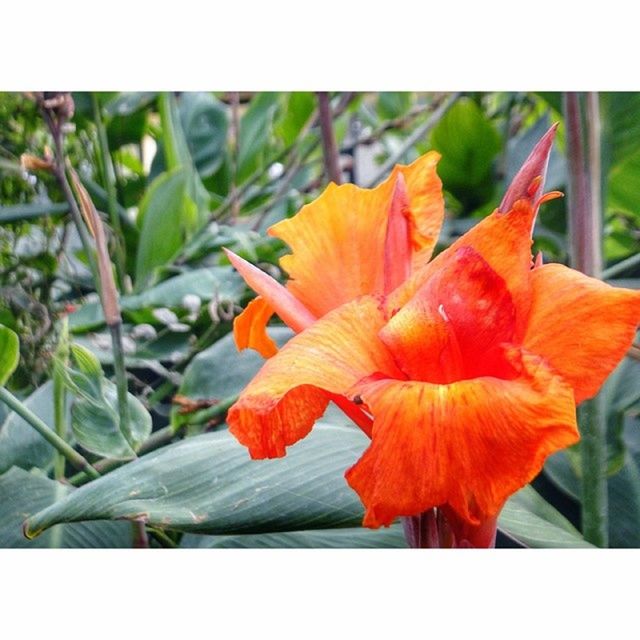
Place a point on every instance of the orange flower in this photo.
(465, 371)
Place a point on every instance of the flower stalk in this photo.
(586, 254)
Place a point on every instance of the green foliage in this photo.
(469, 144)
(95, 419)
(9, 353)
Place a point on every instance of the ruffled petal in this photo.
(469, 445)
(453, 328)
(292, 389)
(504, 241)
(250, 328)
(337, 241)
(581, 326)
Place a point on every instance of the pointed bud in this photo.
(529, 181)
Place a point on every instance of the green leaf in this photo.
(299, 107)
(95, 417)
(222, 283)
(204, 121)
(208, 484)
(222, 371)
(384, 538)
(529, 519)
(96, 424)
(176, 151)
(170, 212)
(255, 126)
(129, 102)
(624, 505)
(622, 193)
(393, 104)
(20, 443)
(9, 353)
(23, 493)
(469, 143)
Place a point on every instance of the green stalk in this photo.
(60, 396)
(76, 459)
(586, 254)
(110, 186)
(171, 151)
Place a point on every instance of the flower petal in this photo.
(250, 328)
(292, 312)
(581, 326)
(337, 241)
(453, 327)
(468, 445)
(504, 241)
(292, 389)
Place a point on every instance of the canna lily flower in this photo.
(465, 370)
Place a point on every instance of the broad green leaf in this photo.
(532, 521)
(221, 371)
(20, 443)
(622, 192)
(255, 126)
(95, 415)
(9, 353)
(204, 121)
(23, 493)
(384, 538)
(175, 149)
(222, 283)
(168, 215)
(560, 471)
(620, 125)
(129, 102)
(469, 143)
(96, 424)
(208, 484)
(624, 505)
(129, 129)
(393, 104)
(298, 110)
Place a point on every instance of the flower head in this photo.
(465, 370)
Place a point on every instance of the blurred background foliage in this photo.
(177, 176)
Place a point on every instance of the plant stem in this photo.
(60, 396)
(586, 254)
(110, 187)
(330, 150)
(115, 329)
(75, 458)
(627, 263)
(60, 173)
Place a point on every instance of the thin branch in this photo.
(418, 133)
(330, 150)
(75, 458)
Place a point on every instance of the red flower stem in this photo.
(331, 158)
(586, 254)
